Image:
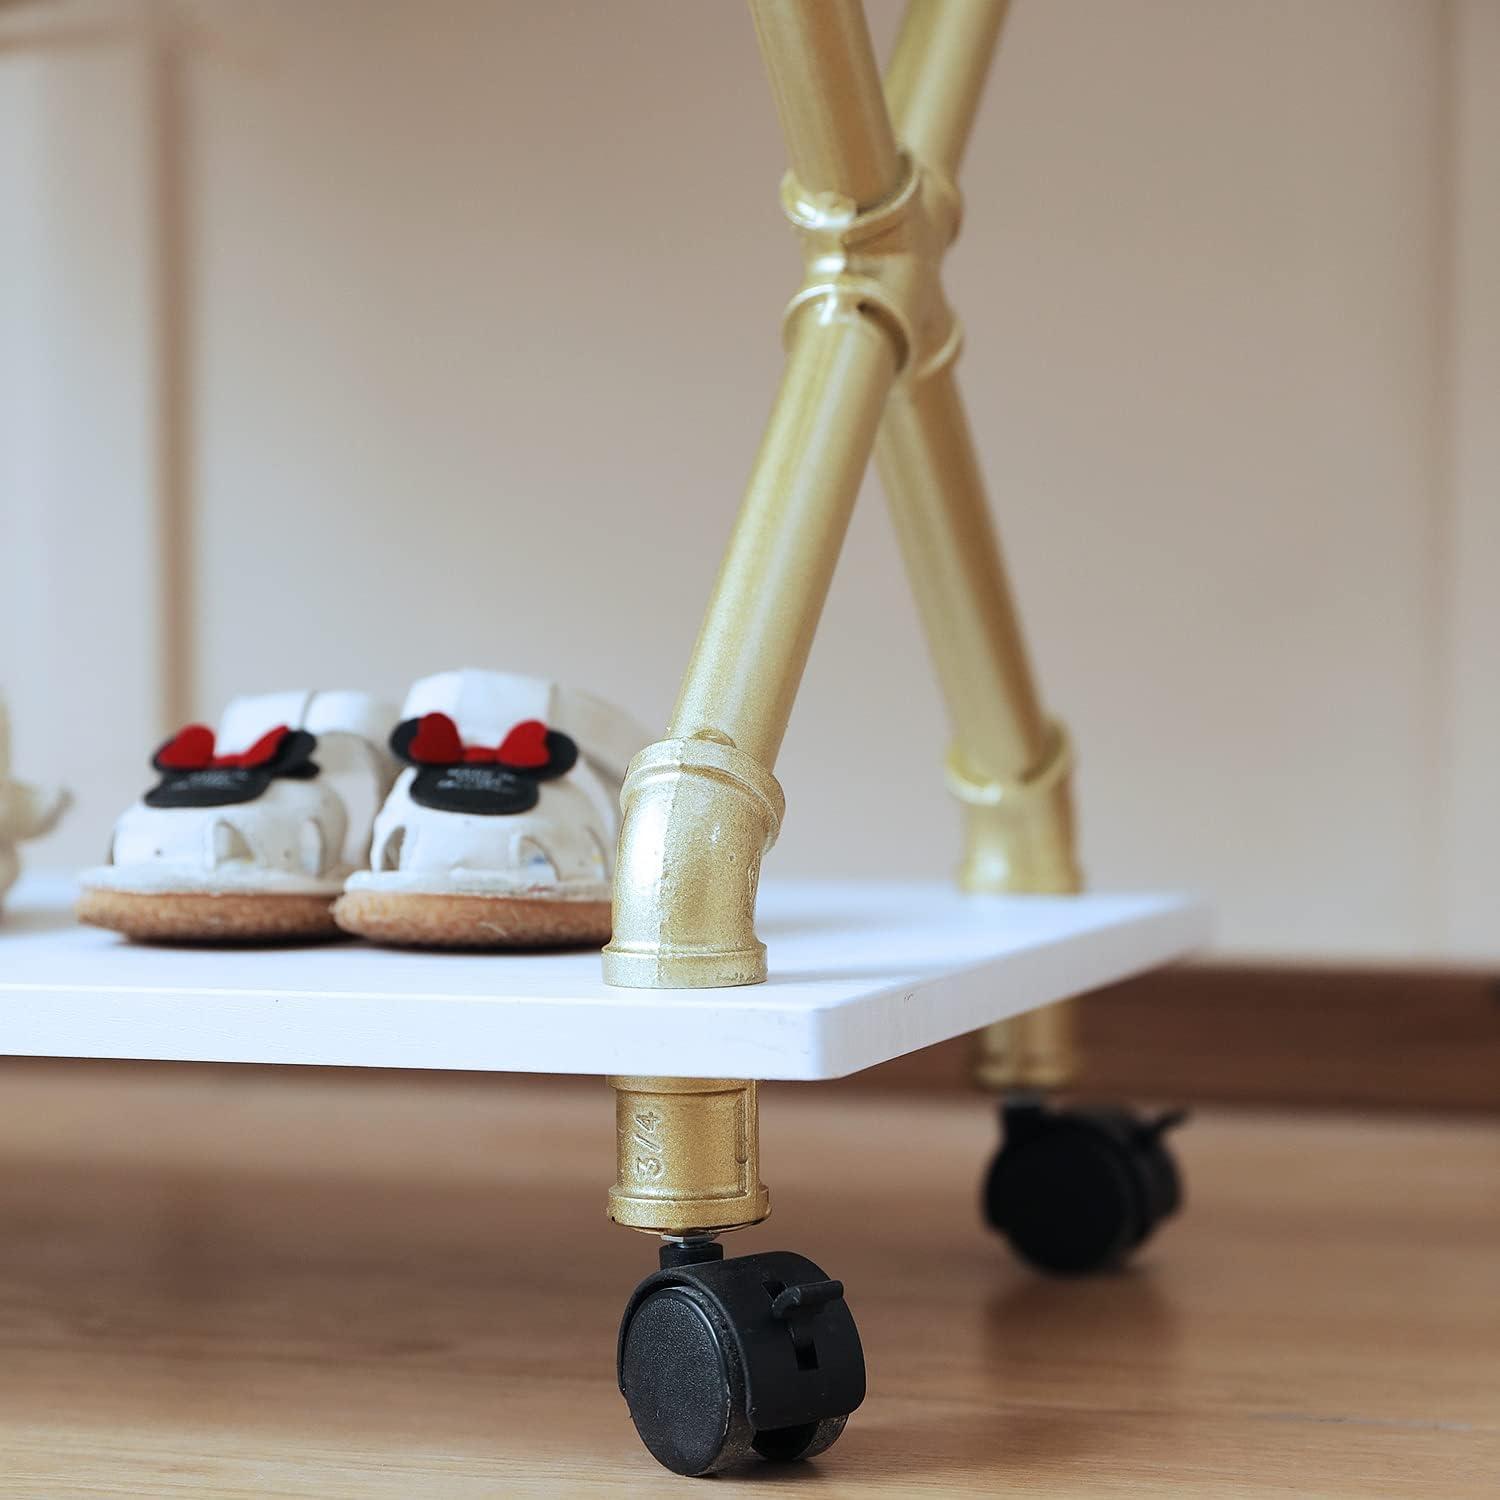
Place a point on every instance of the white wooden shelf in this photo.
(860, 973)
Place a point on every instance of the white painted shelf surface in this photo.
(861, 972)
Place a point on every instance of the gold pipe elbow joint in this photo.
(1018, 832)
(699, 814)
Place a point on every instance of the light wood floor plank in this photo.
(244, 1284)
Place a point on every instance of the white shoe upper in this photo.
(297, 831)
(506, 812)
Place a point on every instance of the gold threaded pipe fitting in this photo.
(689, 1155)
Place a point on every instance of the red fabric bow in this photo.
(192, 749)
(437, 743)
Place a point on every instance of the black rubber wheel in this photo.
(684, 1385)
(1076, 1192)
(784, 1445)
(687, 1335)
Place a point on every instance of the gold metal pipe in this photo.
(937, 75)
(931, 477)
(754, 642)
(829, 98)
(688, 1155)
(1009, 765)
(701, 807)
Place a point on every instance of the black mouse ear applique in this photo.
(193, 775)
(290, 757)
(531, 749)
(455, 777)
(562, 753)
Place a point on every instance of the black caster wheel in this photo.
(1078, 1190)
(723, 1362)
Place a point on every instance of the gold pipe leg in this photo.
(689, 1156)
(931, 477)
(1009, 765)
(701, 807)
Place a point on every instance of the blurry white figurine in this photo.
(25, 811)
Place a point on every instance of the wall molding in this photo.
(1301, 1037)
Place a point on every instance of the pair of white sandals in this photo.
(484, 815)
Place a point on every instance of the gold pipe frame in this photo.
(870, 348)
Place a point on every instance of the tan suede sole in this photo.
(408, 919)
(198, 917)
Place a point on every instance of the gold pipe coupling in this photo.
(689, 1155)
(699, 814)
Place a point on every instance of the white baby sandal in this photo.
(251, 831)
(501, 831)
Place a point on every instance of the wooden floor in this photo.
(235, 1283)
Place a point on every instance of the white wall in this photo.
(482, 323)
(80, 582)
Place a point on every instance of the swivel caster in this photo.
(1078, 1190)
(722, 1361)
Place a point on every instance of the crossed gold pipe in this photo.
(871, 344)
